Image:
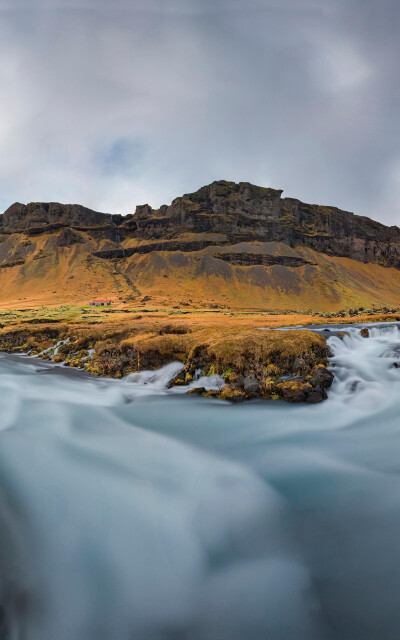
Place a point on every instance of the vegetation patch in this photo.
(252, 363)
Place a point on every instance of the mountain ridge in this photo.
(238, 211)
(230, 243)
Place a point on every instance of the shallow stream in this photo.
(131, 512)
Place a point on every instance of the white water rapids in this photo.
(129, 512)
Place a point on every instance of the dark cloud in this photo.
(113, 103)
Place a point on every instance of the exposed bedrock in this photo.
(171, 245)
(68, 237)
(41, 215)
(266, 260)
(244, 213)
(222, 213)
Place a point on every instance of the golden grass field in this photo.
(124, 339)
(164, 325)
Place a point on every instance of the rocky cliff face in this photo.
(37, 217)
(245, 213)
(223, 213)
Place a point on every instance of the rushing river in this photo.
(128, 512)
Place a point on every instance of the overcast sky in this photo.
(113, 103)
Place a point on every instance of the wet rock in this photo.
(197, 391)
(232, 393)
(251, 386)
(295, 395)
(364, 332)
(238, 380)
(321, 377)
(316, 395)
(213, 393)
(295, 391)
(353, 385)
(179, 379)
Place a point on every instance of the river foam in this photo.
(130, 511)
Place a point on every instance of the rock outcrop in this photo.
(37, 217)
(68, 237)
(266, 260)
(222, 213)
(246, 213)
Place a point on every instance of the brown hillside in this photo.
(235, 245)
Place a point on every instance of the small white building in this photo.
(100, 302)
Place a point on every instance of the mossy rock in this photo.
(232, 393)
(197, 391)
(272, 371)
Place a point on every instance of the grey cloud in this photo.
(115, 103)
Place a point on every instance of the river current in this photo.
(130, 512)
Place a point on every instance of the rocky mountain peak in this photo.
(222, 212)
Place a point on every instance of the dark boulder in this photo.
(322, 378)
(232, 393)
(316, 395)
(238, 380)
(293, 391)
(251, 386)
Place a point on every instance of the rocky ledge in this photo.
(249, 259)
(309, 385)
(250, 363)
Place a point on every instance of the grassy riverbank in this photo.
(118, 341)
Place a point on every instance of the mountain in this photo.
(237, 245)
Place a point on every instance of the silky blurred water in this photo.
(128, 511)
